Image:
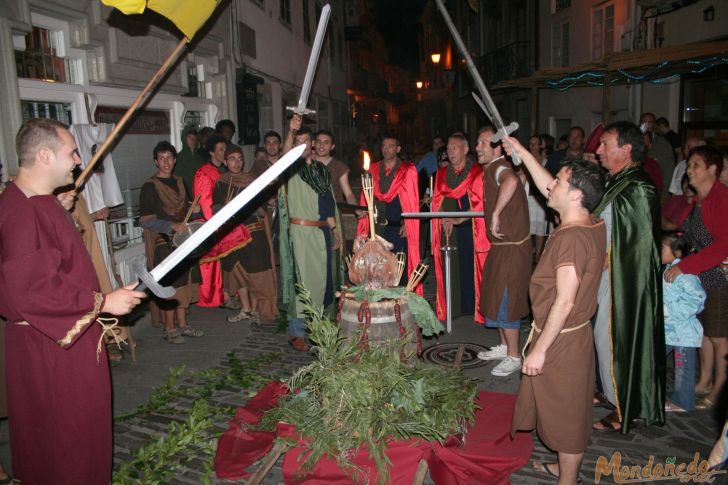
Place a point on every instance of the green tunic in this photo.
(303, 249)
(635, 320)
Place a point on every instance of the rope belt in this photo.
(538, 330)
(304, 222)
(511, 243)
(255, 226)
(107, 325)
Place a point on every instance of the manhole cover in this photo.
(444, 354)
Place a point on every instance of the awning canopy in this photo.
(654, 65)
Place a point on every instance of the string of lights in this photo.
(655, 76)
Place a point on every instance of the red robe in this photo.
(59, 392)
(473, 187)
(404, 185)
(211, 291)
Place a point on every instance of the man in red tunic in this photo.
(459, 187)
(395, 191)
(59, 394)
(206, 177)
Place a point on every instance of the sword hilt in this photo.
(148, 281)
(302, 112)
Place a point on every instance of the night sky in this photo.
(398, 22)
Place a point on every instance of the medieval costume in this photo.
(59, 393)
(188, 162)
(250, 266)
(305, 202)
(228, 240)
(460, 192)
(507, 269)
(395, 191)
(162, 202)
(629, 331)
(566, 386)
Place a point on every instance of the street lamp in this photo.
(419, 84)
(435, 57)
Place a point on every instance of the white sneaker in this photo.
(494, 353)
(507, 366)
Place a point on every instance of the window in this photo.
(602, 31)
(41, 55)
(306, 22)
(285, 11)
(560, 45)
(195, 119)
(197, 84)
(559, 5)
(46, 109)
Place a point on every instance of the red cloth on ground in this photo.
(488, 456)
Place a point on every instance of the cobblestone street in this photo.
(681, 437)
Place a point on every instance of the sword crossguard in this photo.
(506, 130)
(148, 282)
(302, 112)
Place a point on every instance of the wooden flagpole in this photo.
(101, 152)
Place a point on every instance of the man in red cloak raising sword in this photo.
(395, 191)
(459, 187)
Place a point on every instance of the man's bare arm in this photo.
(507, 184)
(541, 177)
(293, 126)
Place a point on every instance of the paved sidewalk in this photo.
(683, 435)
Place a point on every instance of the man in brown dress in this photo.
(504, 286)
(559, 367)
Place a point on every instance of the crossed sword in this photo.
(484, 101)
(151, 279)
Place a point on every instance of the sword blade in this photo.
(491, 111)
(437, 215)
(313, 59)
(230, 209)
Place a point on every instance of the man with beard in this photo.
(507, 270)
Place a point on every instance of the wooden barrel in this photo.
(379, 324)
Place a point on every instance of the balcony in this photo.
(509, 62)
(39, 64)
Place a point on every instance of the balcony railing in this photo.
(509, 62)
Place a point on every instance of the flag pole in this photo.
(161, 72)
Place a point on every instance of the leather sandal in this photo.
(188, 331)
(608, 424)
(174, 336)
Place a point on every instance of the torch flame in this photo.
(366, 161)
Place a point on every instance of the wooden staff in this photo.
(191, 209)
(161, 72)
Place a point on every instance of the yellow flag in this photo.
(188, 15)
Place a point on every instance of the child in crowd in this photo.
(683, 299)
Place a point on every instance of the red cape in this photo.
(404, 185)
(211, 291)
(473, 187)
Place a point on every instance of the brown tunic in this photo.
(508, 265)
(566, 387)
(338, 169)
(252, 265)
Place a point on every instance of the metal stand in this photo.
(447, 250)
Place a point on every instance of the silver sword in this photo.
(447, 250)
(312, 62)
(484, 101)
(150, 279)
(437, 215)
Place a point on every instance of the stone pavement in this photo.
(681, 437)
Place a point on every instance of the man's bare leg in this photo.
(510, 335)
(569, 464)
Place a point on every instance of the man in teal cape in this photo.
(629, 333)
